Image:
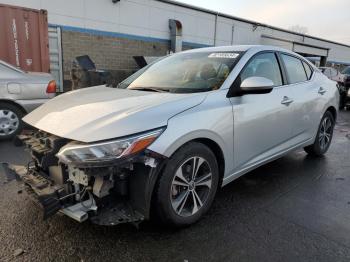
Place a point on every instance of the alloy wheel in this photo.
(191, 186)
(325, 134)
(9, 122)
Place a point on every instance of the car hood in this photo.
(100, 113)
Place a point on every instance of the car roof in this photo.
(248, 48)
(240, 48)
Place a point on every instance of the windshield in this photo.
(184, 73)
(346, 71)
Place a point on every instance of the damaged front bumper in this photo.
(49, 196)
(38, 186)
(53, 198)
(107, 196)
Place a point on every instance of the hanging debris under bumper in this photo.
(41, 189)
(53, 198)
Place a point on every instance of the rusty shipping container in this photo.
(24, 40)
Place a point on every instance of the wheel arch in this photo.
(219, 155)
(211, 144)
(333, 112)
(11, 102)
(209, 139)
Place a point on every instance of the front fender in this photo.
(185, 138)
(213, 120)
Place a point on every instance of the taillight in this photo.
(51, 87)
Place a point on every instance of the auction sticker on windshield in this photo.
(223, 55)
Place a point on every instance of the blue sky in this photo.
(328, 19)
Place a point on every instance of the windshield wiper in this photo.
(161, 90)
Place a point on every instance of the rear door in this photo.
(306, 94)
(262, 122)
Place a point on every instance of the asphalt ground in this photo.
(294, 209)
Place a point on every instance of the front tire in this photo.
(10, 121)
(324, 136)
(187, 186)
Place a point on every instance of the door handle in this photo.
(286, 101)
(321, 91)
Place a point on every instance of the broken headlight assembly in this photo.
(106, 152)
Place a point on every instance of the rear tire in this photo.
(10, 121)
(342, 101)
(324, 136)
(183, 196)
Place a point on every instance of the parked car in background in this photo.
(20, 93)
(174, 132)
(333, 74)
(346, 74)
(343, 80)
(345, 99)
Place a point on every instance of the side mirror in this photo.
(257, 84)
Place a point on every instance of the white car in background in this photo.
(20, 93)
(333, 74)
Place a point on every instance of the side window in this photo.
(263, 65)
(308, 70)
(295, 69)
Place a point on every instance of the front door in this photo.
(262, 122)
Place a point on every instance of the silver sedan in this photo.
(170, 135)
(20, 93)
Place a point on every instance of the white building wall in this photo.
(149, 19)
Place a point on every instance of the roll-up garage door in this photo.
(294, 46)
(267, 40)
(311, 50)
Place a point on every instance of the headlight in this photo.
(99, 153)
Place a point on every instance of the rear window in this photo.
(295, 69)
(7, 72)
